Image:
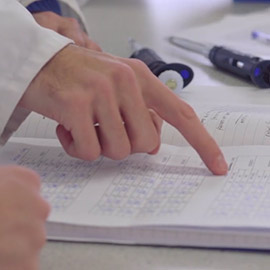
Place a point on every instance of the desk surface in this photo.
(111, 23)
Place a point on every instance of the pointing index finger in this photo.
(181, 115)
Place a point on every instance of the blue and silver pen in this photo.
(261, 36)
(176, 76)
(250, 68)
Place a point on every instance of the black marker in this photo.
(250, 68)
(176, 76)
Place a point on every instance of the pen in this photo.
(261, 36)
(251, 68)
(176, 76)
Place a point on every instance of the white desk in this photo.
(111, 22)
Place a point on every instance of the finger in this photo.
(74, 34)
(48, 19)
(36, 235)
(32, 264)
(71, 28)
(28, 176)
(138, 122)
(158, 121)
(158, 124)
(89, 44)
(112, 135)
(179, 114)
(24, 256)
(44, 209)
(80, 140)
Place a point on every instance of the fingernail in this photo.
(221, 164)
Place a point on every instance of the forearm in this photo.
(27, 47)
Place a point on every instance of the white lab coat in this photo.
(25, 48)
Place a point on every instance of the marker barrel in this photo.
(248, 67)
(158, 66)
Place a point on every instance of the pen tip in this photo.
(254, 34)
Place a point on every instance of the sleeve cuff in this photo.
(45, 5)
(17, 117)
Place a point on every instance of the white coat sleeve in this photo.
(25, 48)
(72, 8)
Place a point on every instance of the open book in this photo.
(167, 199)
(236, 124)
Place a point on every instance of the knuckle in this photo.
(117, 153)
(106, 94)
(78, 40)
(95, 46)
(75, 102)
(73, 22)
(187, 112)
(86, 154)
(105, 89)
(138, 64)
(78, 101)
(91, 155)
(122, 72)
(140, 67)
(142, 144)
(141, 72)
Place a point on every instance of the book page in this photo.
(228, 124)
(173, 188)
(37, 126)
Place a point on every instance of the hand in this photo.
(22, 213)
(68, 27)
(81, 87)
